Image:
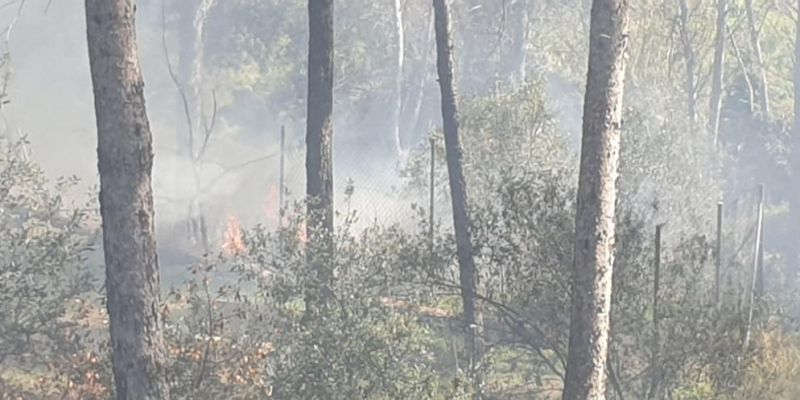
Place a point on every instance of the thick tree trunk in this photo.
(691, 63)
(755, 42)
(718, 72)
(126, 202)
(319, 142)
(400, 57)
(594, 220)
(458, 187)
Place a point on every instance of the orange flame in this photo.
(302, 234)
(233, 239)
(271, 208)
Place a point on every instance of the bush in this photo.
(46, 291)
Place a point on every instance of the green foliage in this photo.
(389, 328)
(506, 132)
(356, 345)
(44, 283)
(259, 339)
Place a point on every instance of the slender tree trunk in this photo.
(691, 63)
(188, 73)
(655, 374)
(518, 62)
(424, 75)
(761, 71)
(718, 70)
(125, 157)
(398, 78)
(191, 36)
(751, 97)
(432, 199)
(760, 275)
(190, 69)
(281, 179)
(458, 186)
(594, 220)
(718, 259)
(319, 143)
(754, 294)
(793, 260)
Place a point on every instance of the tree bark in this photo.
(594, 220)
(125, 157)
(319, 141)
(755, 41)
(718, 72)
(458, 186)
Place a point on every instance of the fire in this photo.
(271, 208)
(233, 239)
(302, 234)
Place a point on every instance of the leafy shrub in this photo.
(45, 288)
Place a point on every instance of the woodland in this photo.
(401, 199)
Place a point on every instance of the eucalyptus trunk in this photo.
(758, 53)
(400, 57)
(718, 72)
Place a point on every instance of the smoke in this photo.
(52, 104)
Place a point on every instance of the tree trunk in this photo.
(793, 260)
(594, 220)
(742, 67)
(126, 202)
(691, 63)
(191, 34)
(458, 189)
(718, 259)
(398, 78)
(518, 62)
(755, 42)
(754, 293)
(718, 70)
(424, 75)
(319, 140)
(655, 367)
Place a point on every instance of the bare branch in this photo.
(209, 127)
(174, 77)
